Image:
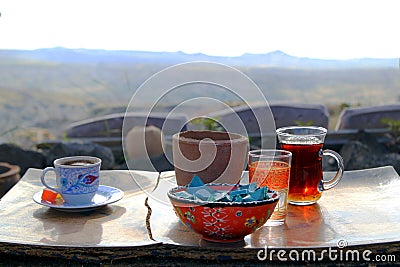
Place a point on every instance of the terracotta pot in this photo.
(9, 176)
(213, 156)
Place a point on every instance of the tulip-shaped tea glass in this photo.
(270, 167)
(306, 177)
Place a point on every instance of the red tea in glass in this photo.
(306, 176)
(307, 170)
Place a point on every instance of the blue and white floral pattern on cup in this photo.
(77, 178)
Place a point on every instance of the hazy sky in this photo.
(341, 29)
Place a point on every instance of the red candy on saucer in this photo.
(51, 196)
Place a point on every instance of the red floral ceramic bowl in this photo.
(222, 221)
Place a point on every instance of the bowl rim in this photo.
(200, 202)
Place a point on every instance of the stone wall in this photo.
(40, 159)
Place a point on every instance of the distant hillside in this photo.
(273, 59)
(51, 88)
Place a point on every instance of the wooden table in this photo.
(361, 215)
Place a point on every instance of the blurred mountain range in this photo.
(51, 88)
(272, 59)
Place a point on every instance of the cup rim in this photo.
(234, 137)
(319, 131)
(59, 161)
(278, 153)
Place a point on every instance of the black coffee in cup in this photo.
(80, 162)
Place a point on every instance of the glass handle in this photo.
(325, 185)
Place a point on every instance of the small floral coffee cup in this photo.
(77, 178)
